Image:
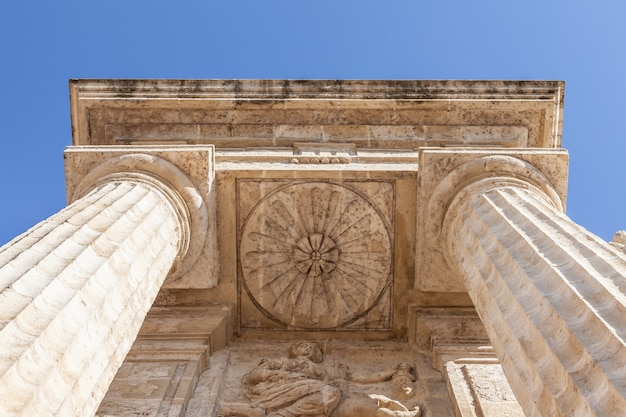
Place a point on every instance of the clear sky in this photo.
(45, 43)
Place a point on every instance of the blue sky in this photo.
(45, 43)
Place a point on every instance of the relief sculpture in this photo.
(315, 255)
(303, 385)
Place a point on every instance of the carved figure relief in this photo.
(302, 385)
(315, 255)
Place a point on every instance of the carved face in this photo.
(306, 350)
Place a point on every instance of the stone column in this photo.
(551, 295)
(74, 291)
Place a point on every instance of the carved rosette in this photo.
(315, 255)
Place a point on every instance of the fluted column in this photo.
(551, 295)
(74, 291)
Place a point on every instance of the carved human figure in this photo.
(300, 386)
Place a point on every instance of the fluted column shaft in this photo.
(74, 291)
(551, 296)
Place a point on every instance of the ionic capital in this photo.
(485, 174)
(90, 168)
(448, 177)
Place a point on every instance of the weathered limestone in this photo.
(443, 172)
(337, 378)
(74, 299)
(318, 255)
(551, 295)
(354, 215)
(371, 114)
(162, 368)
(460, 350)
(75, 289)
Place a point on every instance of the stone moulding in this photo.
(162, 368)
(184, 175)
(443, 173)
(478, 387)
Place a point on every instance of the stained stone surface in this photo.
(190, 170)
(619, 240)
(316, 254)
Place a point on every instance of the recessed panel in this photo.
(317, 255)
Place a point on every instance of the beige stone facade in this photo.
(313, 248)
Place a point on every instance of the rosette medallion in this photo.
(315, 255)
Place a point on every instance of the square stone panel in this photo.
(315, 254)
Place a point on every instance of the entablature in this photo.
(370, 114)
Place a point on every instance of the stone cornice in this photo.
(399, 114)
(318, 89)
